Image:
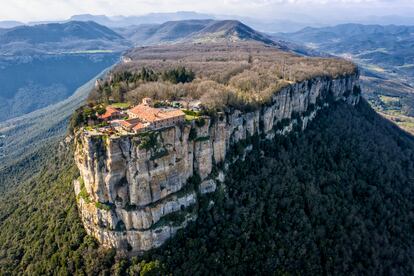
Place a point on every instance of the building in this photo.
(131, 125)
(111, 113)
(140, 127)
(194, 105)
(156, 117)
(147, 101)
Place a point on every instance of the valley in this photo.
(385, 56)
(48, 62)
(43, 80)
(53, 68)
(26, 134)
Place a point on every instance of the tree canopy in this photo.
(337, 198)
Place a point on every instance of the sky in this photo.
(322, 10)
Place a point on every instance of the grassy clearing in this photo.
(90, 52)
(389, 100)
(121, 105)
(404, 122)
(190, 117)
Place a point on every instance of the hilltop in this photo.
(207, 30)
(162, 33)
(60, 37)
(148, 142)
(241, 75)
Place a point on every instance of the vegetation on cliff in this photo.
(335, 199)
(241, 75)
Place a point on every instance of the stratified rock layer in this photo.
(134, 194)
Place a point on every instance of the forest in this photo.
(335, 199)
(243, 75)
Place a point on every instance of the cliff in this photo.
(135, 191)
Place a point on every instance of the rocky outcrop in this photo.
(136, 191)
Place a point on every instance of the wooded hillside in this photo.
(335, 199)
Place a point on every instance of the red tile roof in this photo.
(129, 123)
(109, 112)
(151, 114)
(138, 126)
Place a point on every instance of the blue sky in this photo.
(29, 10)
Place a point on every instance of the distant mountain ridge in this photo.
(10, 24)
(75, 36)
(265, 25)
(151, 18)
(52, 42)
(386, 58)
(390, 46)
(44, 64)
(347, 31)
(55, 37)
(56, 32)
(194, 31)
(167, 32)
(233, 29)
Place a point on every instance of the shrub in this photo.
(100, 110)
(148, 140)
(200, 122)
(159, 154)
(193, 134)
(103, 206)
(178, 75)
(194, 180)
(152, 268)
(191, 112)
(83, 192)
(203, 138)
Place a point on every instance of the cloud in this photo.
(27, 10)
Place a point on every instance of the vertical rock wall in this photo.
(136, 191)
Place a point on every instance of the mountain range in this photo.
(385, 55)
(78, 36)
(60, 37)
(53, 60)
(269, 25)
(282, 22)
(192, 31)
(85, 44)
(10, 24)
(386, 46)
(48, 62)
(389, 45)
(151, 18)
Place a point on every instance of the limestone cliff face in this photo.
(135, 191)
